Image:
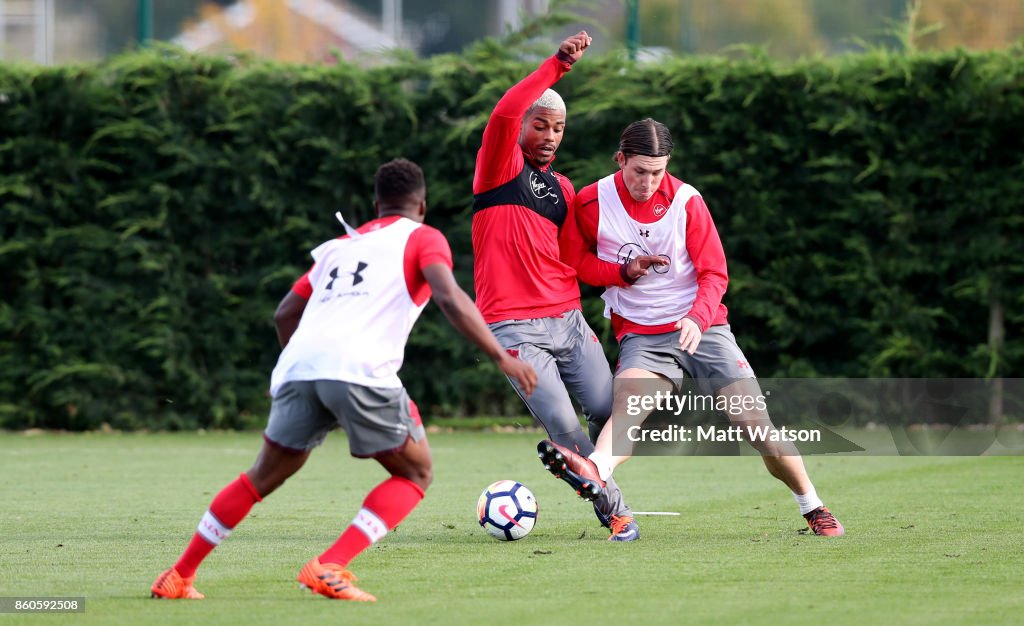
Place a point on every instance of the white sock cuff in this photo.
(808, 501)
(603, 463)
(370, 524)
(212, 530)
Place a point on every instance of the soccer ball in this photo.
(507, 510)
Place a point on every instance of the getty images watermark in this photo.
(754, 429)
(847, 416)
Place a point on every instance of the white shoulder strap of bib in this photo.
(348, 229)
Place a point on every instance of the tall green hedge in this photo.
(156, 207)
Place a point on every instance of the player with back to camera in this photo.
(528, 296)
(671, 323)
(343, 329)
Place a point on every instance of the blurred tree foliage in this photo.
(118, 19)
(976, 25)
(790, 28)
(157, 206)
(786, 28)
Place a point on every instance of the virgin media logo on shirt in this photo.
(541, 189)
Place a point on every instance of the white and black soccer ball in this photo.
(507, 510)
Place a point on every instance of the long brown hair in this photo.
(647, 137)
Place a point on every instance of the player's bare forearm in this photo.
(465, 317)
(287, 316)
(460, 310)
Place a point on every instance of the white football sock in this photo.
(808, 501)
(603, 463)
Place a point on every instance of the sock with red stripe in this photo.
(383, 509)
(228, 508)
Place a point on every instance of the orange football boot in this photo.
(172, 586)
(333, 581)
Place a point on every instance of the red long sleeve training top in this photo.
(517, 269)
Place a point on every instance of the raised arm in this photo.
(499, 159)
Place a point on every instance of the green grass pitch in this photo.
(934, 540)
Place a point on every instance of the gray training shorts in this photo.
(570, 362)
(717, 361)
(377, 420)
(566, 353)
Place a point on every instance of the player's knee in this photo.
(422, 475)
(420, 472)
(264, 482)
(272, 468)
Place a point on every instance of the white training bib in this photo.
(360, 314)
(667, 293)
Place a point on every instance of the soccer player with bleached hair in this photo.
(670, 323)
(343, 329)
(529, 297)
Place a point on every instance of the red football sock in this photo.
(229, 508)
(383, 509)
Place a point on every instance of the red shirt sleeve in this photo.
(426, 246)
(708, 257)
(302, 287)
(578, 242)
(500, 159)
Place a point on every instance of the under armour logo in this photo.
(334, 276)
(356, 278)
(645, 233)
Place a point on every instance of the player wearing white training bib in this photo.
(364, 293)
(356, 326)
(343, 329)
(670, 323)
(665, 295)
